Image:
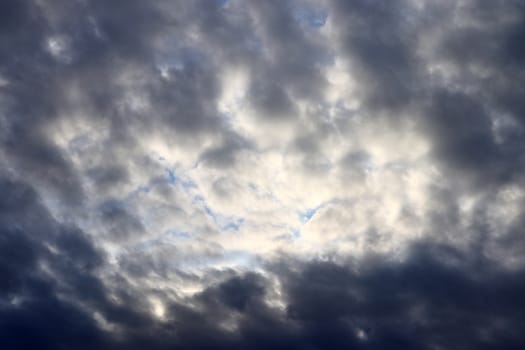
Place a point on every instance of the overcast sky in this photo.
(264, 174)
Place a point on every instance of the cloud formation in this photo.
(261, 174)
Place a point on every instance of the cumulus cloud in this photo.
(261, 174)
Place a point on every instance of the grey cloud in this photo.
(121, 225)
(439, 296)
(236, 292)
(486, 57)
(357, 161)
(135, 69)
(271, 99)
(463, 133)
(106, 177)
(225, 154)
(379, 40)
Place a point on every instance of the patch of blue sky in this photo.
(234, 224)
(198, 199)
(172, 178)
(223, 222)
(296, 232)
(145, 188)
(178, 234)
(290, 233)
(135, 194)
(306, 215)
(188, 184)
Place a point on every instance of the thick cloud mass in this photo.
(227, 174)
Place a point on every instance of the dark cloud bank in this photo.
(55, 287)
(439, 297)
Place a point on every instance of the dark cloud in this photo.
(464, 139)
(236, 292)
(379, 40)
(483, 56)
(106, 177)
(437, 296)
(32, 313)
(120, 224)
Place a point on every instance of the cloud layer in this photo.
(262, 174)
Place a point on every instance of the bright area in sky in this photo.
(319, 175)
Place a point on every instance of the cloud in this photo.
(281, 174)
(56, 295)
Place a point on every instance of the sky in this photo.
(262, 174)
